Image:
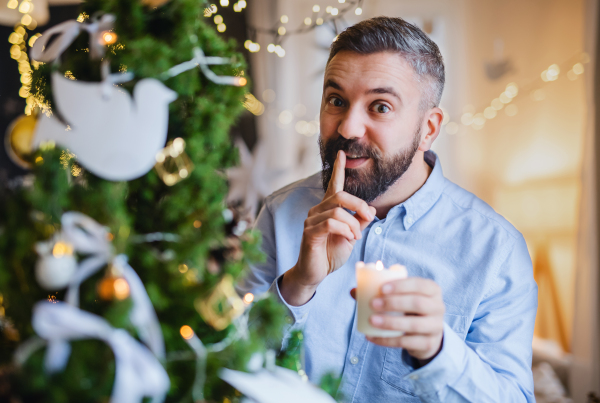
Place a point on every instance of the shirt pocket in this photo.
(394, 367)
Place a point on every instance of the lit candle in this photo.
(369, 279)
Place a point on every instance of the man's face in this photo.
(370, 110)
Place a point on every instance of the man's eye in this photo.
(336, 102)
(381, 108)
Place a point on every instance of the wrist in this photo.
(293, 291)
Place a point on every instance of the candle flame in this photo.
(379, 265)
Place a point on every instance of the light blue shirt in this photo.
(443, 233)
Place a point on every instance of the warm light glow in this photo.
(316, 8)
(26, 7)
(452, 128)
(254, 47)
(307, 21)
(341, 1)
(26, 20)
(221, 27)
(108, 38)
(224, 3)
(242, 4)
(512, 90)
(61, 249)
(466, 119)
(538, 95)
(284, 19)
(479, 119)
(328, 9)
(197, 224)
(497, 104)
(489, 113)
(248, 298)
(247, 43)
(242, 81)
(334, 11)
(121, 288)
(379, 265)
(183, 268)
(33, 39)
(504, 98)
(578, 68)
(218, 19)
(571, 75)
(12, 4)
(553, 72)
(271, 48)
(358, 11)
(319, 21)
(281, 31)
(285, 117)
(186, 332)
(511, 110)
(213, 8)
(237, 8)
(254, 105)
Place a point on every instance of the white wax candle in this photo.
(369, 279)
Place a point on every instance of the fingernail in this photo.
(377, 303)
(376, 320)
(386, 289)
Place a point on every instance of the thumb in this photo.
(353, 293)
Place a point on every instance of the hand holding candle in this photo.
(399, 311)
(369, 279)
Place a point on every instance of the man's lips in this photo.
(355, 161)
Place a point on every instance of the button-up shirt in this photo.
(443, 233)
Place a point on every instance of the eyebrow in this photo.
(385, 90)
(380, 90)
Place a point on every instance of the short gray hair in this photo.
(387, 34)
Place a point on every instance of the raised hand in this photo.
(330, 233)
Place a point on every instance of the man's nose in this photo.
(352, 125)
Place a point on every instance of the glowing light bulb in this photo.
(281, 31)
(108, 38)
(379, 265)
(307, 21)
(121, 288)
(358, 11)
(316, 8)
(248, 298)
(284, 19)
(186, 332)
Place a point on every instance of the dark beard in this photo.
(367, 183)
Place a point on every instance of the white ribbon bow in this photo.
(67, 32)
(138, 373)
(90, 238)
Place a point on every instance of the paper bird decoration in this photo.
(112, 135)
(281, 385)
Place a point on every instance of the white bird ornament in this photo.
(112, 135)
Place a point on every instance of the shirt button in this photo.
(409, 220)
(378, 230)
(354, 360)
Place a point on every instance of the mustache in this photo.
(330, 149)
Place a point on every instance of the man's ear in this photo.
(432, 124)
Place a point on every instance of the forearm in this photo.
(458, 374)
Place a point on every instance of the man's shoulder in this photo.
(473, 206)
(304, 191)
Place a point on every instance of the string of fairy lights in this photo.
(512, 93)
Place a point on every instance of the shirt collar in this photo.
(419, 203)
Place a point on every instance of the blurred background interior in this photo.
(519, 130)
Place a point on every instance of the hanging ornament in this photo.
(172, 163)
(113, 135)
(56, 264)
(113, 286)
(18, 139)
(222, 306)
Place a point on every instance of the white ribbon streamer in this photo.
(138, 373)
(67, 32)
(89, 237)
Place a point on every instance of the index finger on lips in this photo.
(412, 285)
(336, 183)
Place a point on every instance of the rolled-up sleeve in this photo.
(493, 364)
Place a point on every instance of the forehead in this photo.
(362, 72)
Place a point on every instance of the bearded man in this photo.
(470, 299)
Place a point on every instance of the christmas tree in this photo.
(108, 278)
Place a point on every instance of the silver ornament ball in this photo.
(54, 273)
